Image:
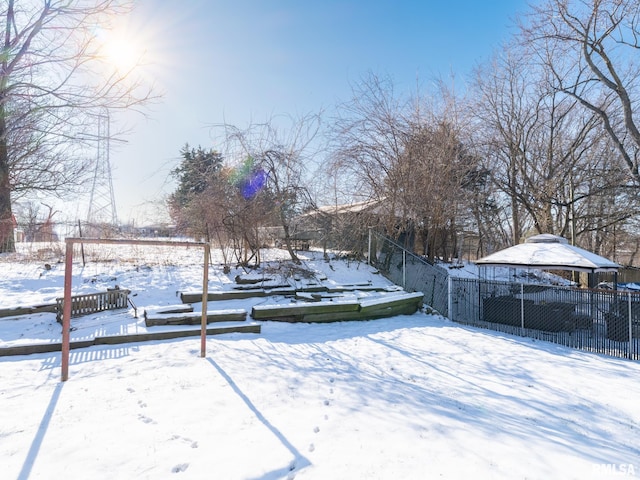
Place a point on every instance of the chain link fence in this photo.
(410, 271)
(599, 321)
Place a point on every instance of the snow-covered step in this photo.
(194, 318)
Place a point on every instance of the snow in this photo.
(549, 252)
(387, 298)
(407, 397)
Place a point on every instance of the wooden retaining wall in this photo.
(195, 297)
(17, 311)
(132, 338)
(403, 304)
(193, 318)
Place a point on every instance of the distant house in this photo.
(18, 233)
(160, 230)
(341, 227)
(45, 232)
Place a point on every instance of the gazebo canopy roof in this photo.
(548, 252)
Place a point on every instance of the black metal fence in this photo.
(412, 272)
(598, 321)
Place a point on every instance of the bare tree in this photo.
(369, 136)
(244, 208)
(408, 154)
(504, 117)
(280, 158)
(590, 47)
(38, 227)
(438, 167)
(546, 154)
(54, 75)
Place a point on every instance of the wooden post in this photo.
(66, 310)
(205, 299)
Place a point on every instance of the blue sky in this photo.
(243, 61)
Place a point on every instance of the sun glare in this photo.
(121, 50)
(132, 47)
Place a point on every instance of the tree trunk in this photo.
(7, 241)
(515, 209)
(287, 238)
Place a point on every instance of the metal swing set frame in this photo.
(68, 271)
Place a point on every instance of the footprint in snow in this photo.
(193, 444)
(180, 468)
(145, 419)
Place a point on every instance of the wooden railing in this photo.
(94, 302)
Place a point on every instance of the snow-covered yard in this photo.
(408, 397)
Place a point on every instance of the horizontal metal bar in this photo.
(123, 241)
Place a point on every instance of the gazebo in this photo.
(549, 252)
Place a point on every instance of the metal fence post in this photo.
(404, 269)
(66, 311)
(522, 307)
(205, 299)
(450, 297)
(630, 327)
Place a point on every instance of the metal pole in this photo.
(84, 264)
(522, 307)
(66, 311)
(630, 328)
(369, 248)
(205, 299)
(404, 269)
(449, 297)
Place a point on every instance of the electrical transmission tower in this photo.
(102, 203)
